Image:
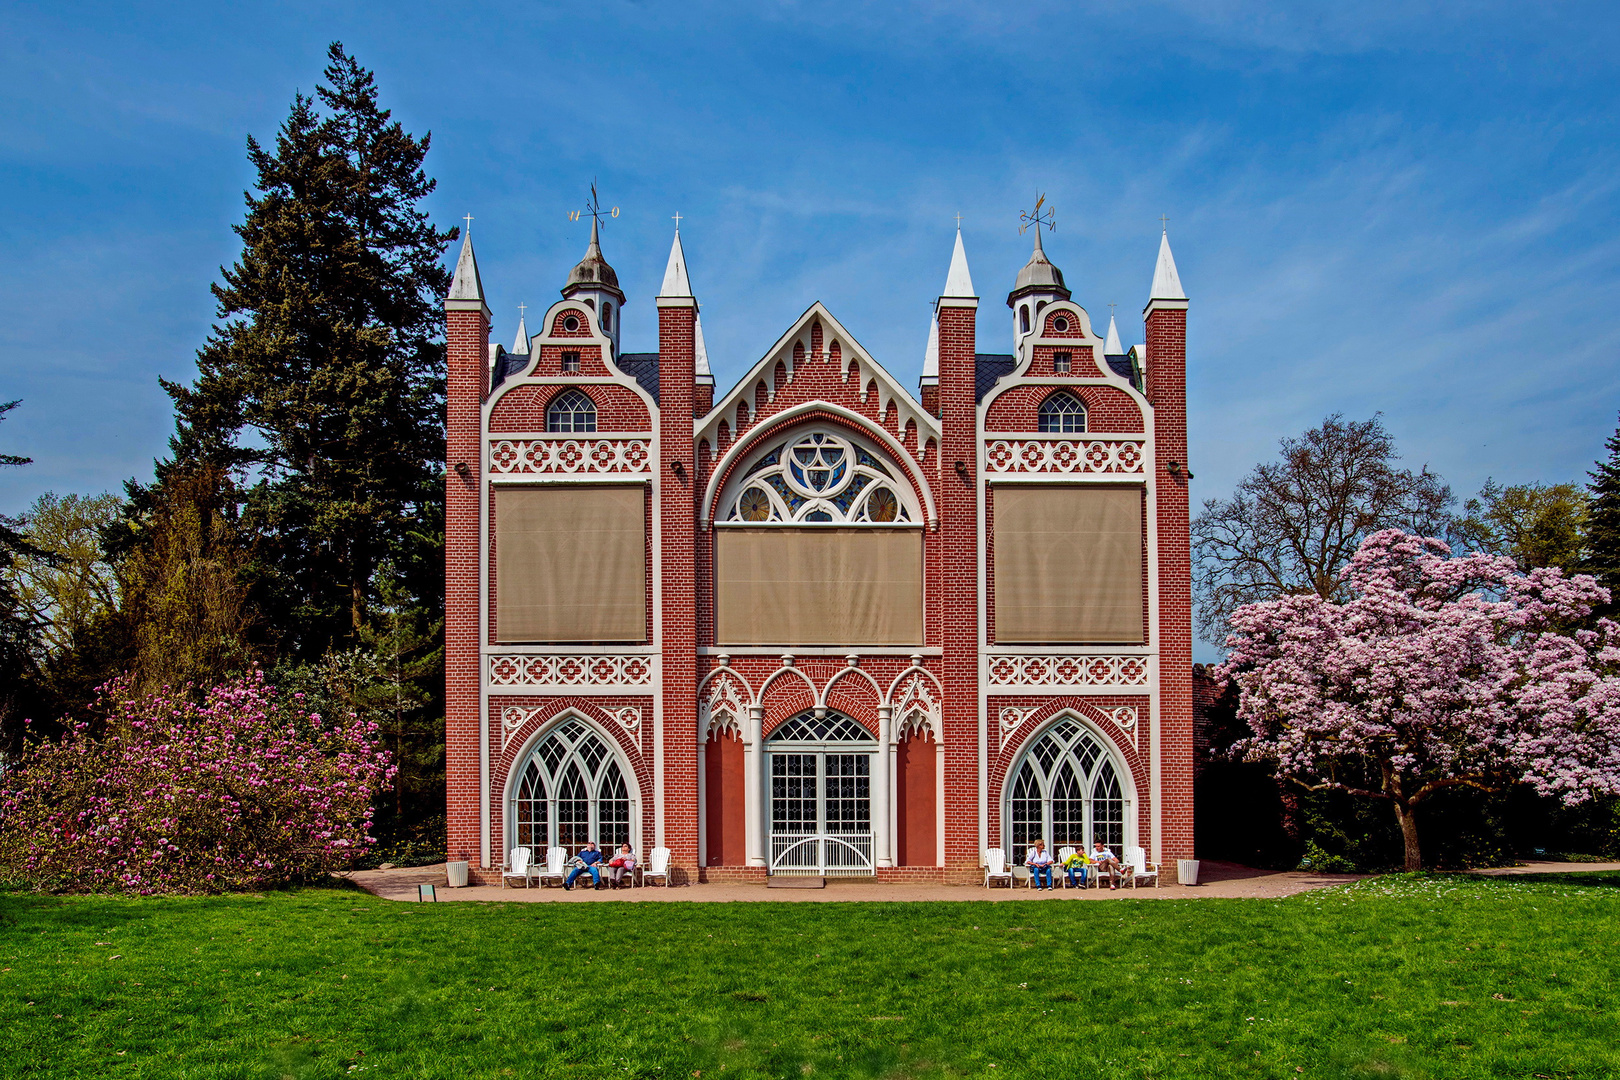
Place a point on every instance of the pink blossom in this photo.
(1437, 672)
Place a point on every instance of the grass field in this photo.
(1395, 977)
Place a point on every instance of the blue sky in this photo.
(1407, 208)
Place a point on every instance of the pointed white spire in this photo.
(1166, 282)
(466, 285)
(1112, 347)
(931, 354)
(959, 282)
(676, 283)
(700, 351)
(520, 344)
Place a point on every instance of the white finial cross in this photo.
(1164, 223)
(958, 222)
(468, 220)
(1111, 308)
(521, 309)
(677, 221)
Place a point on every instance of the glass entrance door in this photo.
(821, 798)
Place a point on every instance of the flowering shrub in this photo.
(238, 792)
(1436, 672)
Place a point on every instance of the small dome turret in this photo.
(593, 271)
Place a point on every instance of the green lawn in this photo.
(1396, 977)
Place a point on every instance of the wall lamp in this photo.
(962, 471)
(462, 470)
(1176, 468)
(679, 470)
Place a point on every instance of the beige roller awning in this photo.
(571, 564)
(818, 586)
(1068, 564)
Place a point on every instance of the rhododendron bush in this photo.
(1435, 672)
(240, 791)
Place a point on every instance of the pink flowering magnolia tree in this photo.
(241, 791)
(1435, 672)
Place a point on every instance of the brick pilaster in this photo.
(1167, 391)
(677, 320)
(467, 360)
(957, 579)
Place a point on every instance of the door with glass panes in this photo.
(821, 796)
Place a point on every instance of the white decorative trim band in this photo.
(513, 717)
(1064, 456)
(595, 673)
(570, 456)
(1049, 672)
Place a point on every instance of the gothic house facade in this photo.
(817, 624)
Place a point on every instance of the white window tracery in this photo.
(1067, 791)
(819, 477)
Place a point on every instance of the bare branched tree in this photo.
(1292, 524)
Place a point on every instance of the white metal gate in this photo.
(821, 812)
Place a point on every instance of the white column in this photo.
(702, 800)
(882, 802)
(753, 785)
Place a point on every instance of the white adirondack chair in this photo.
(995, 867)
(1058, 871)
(1137, 867)
(554, 867)
(657, 867)
(517, 866)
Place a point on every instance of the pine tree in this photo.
(1603, 521)
(19, 626)
(322, 385)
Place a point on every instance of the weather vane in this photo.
(593, 209)
(1038, 216)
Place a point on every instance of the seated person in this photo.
(621, 867)
(1039, 862)
(587, 859)
(1076, 861)
(1106, 862)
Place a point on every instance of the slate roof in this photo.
(987, 369)
(643, 367)
(506, 365)
(1126, 370)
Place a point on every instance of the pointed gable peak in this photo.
(676, 282)
(1166, 281)
(958, 282)
(466, 284)
(931, 353)
(1112, 347)
(700, 350)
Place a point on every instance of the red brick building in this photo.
(817, 624)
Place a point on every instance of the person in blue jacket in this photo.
(587, 859)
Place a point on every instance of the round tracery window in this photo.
(1060, 324)
(570, 323)
(818, 477)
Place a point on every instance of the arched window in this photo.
(571, 410)
(571, 791)
(1067, 792)
(820, 476)
(1063, 413)
(607, 317)
(1023, 318)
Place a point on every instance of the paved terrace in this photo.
(1218, 880)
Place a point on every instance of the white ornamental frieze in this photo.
(723, 706)
(542, 671)
(1064, 456)
(1057, 672)
(570, 456)
(916, 708)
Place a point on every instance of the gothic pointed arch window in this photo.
(1063, 413)
(571, 411)
(572, 790)
(1066, 790)
(820, 477)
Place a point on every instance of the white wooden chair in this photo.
(1137, 867)
(554, 867)
(517, 866)
(657, 867)
(1057, 869)
(995, 867)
